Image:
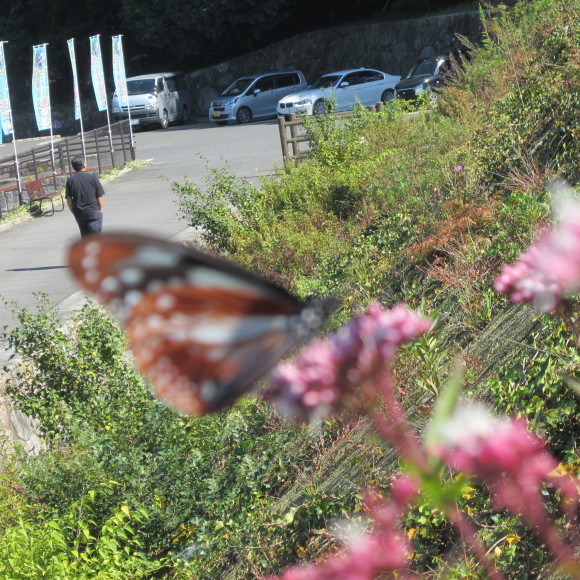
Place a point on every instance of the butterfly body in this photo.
(202, 330)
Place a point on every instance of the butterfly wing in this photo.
(201, 329)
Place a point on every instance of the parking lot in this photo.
(32, 254)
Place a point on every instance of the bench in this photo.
(37, 194)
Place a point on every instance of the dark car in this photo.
(429, 74)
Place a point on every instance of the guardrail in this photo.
(293, 133)
(51, 162)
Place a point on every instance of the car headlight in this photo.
(303, 102)
(151, 103)
(227, 103)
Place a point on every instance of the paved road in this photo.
(32, 255)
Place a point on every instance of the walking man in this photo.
(84, 196)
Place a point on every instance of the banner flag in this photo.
(40, 91)
(73, 62)
(119, 72)
(97, 74)
(5, 109)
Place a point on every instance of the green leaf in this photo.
(445, 406)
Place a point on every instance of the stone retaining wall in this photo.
(389, 46)
(15, 427)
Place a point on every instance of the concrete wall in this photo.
(389, 46)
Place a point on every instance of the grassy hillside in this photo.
(422, 210)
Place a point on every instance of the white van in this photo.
(155, 99)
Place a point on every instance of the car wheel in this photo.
(222, 123)
(320, 108)
(185, 115)
(164, 119)
(433, 98)
(244, 115)
(388, 95)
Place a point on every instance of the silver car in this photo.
(155, 99)
(341, 91)
(254, 96)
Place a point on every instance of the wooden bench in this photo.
(36, 194)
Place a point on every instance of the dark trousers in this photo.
(91, 223)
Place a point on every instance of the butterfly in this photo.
(201, 329)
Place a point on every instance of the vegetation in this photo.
(421, 210)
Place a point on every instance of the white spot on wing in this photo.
(132, 297)
(93, 248)
(131, 276)
(110, 284)
(89, 262)
(209, 278)
(92, 276)
(165, 302)
(153, 257)
(211, 330)
(207, 391)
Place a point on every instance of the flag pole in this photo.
(8, 113)
(49, 107)
(120, 76)
(73, 59)
(101, 75)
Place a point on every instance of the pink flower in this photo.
(327, 372)
(511, 460)
(528, 282)
(458, 168)
(384, 548)
(550, 269)
(561, 249)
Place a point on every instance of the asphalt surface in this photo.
(33, 254)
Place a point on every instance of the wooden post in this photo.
(294, 135)
(283, 141)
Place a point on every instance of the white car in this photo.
(341, 91)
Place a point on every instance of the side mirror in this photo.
(256, 91)
(344, 84)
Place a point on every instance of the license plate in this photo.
(134, 121)
(216, 114)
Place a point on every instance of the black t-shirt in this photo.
(84, 188)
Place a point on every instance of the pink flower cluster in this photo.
(325, 374)
(550, 269)
(510, 459)
(385, 548)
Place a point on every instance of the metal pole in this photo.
(50, 109)
(77, 93)
(16, 164)
(51, 134)
(123, 80)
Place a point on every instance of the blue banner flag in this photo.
(40, 92)
(73, 62)
(5, 109)
(119, 72)
(97, 74)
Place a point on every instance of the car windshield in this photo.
(237, 88)
(141, 87)
(424, 68)
(325, 82)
